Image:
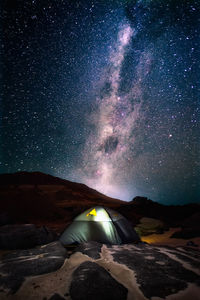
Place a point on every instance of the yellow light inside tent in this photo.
(92, 212)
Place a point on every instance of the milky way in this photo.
(132, 147)
(107, 153)
(105, 93)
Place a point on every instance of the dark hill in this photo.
(39, 178)
(34, 197)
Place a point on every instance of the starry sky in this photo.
(103, 92)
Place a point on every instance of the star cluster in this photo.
(105, 93)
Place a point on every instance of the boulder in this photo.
(149, 226)
(25, 236)
(15, 266)
(90, 281)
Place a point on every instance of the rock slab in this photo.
(90, 281)
(17, 265)
(25, 236)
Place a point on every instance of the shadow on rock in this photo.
(90, 281)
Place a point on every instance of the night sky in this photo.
(104, 92)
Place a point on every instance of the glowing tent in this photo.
(99, 224)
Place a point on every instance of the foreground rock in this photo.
(25, 236)
(132, 271)
(17, 265)
(90, 281)
(158, 274)
(159, 271)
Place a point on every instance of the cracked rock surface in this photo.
(159, 271)
(96, 271)
(91, 281)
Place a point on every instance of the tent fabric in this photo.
(100, 224)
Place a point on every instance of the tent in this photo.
(100, 224)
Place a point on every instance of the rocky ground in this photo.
(34, 264)
(96, 271)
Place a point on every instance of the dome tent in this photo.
(100, 224)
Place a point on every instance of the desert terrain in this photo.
(36, 208)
